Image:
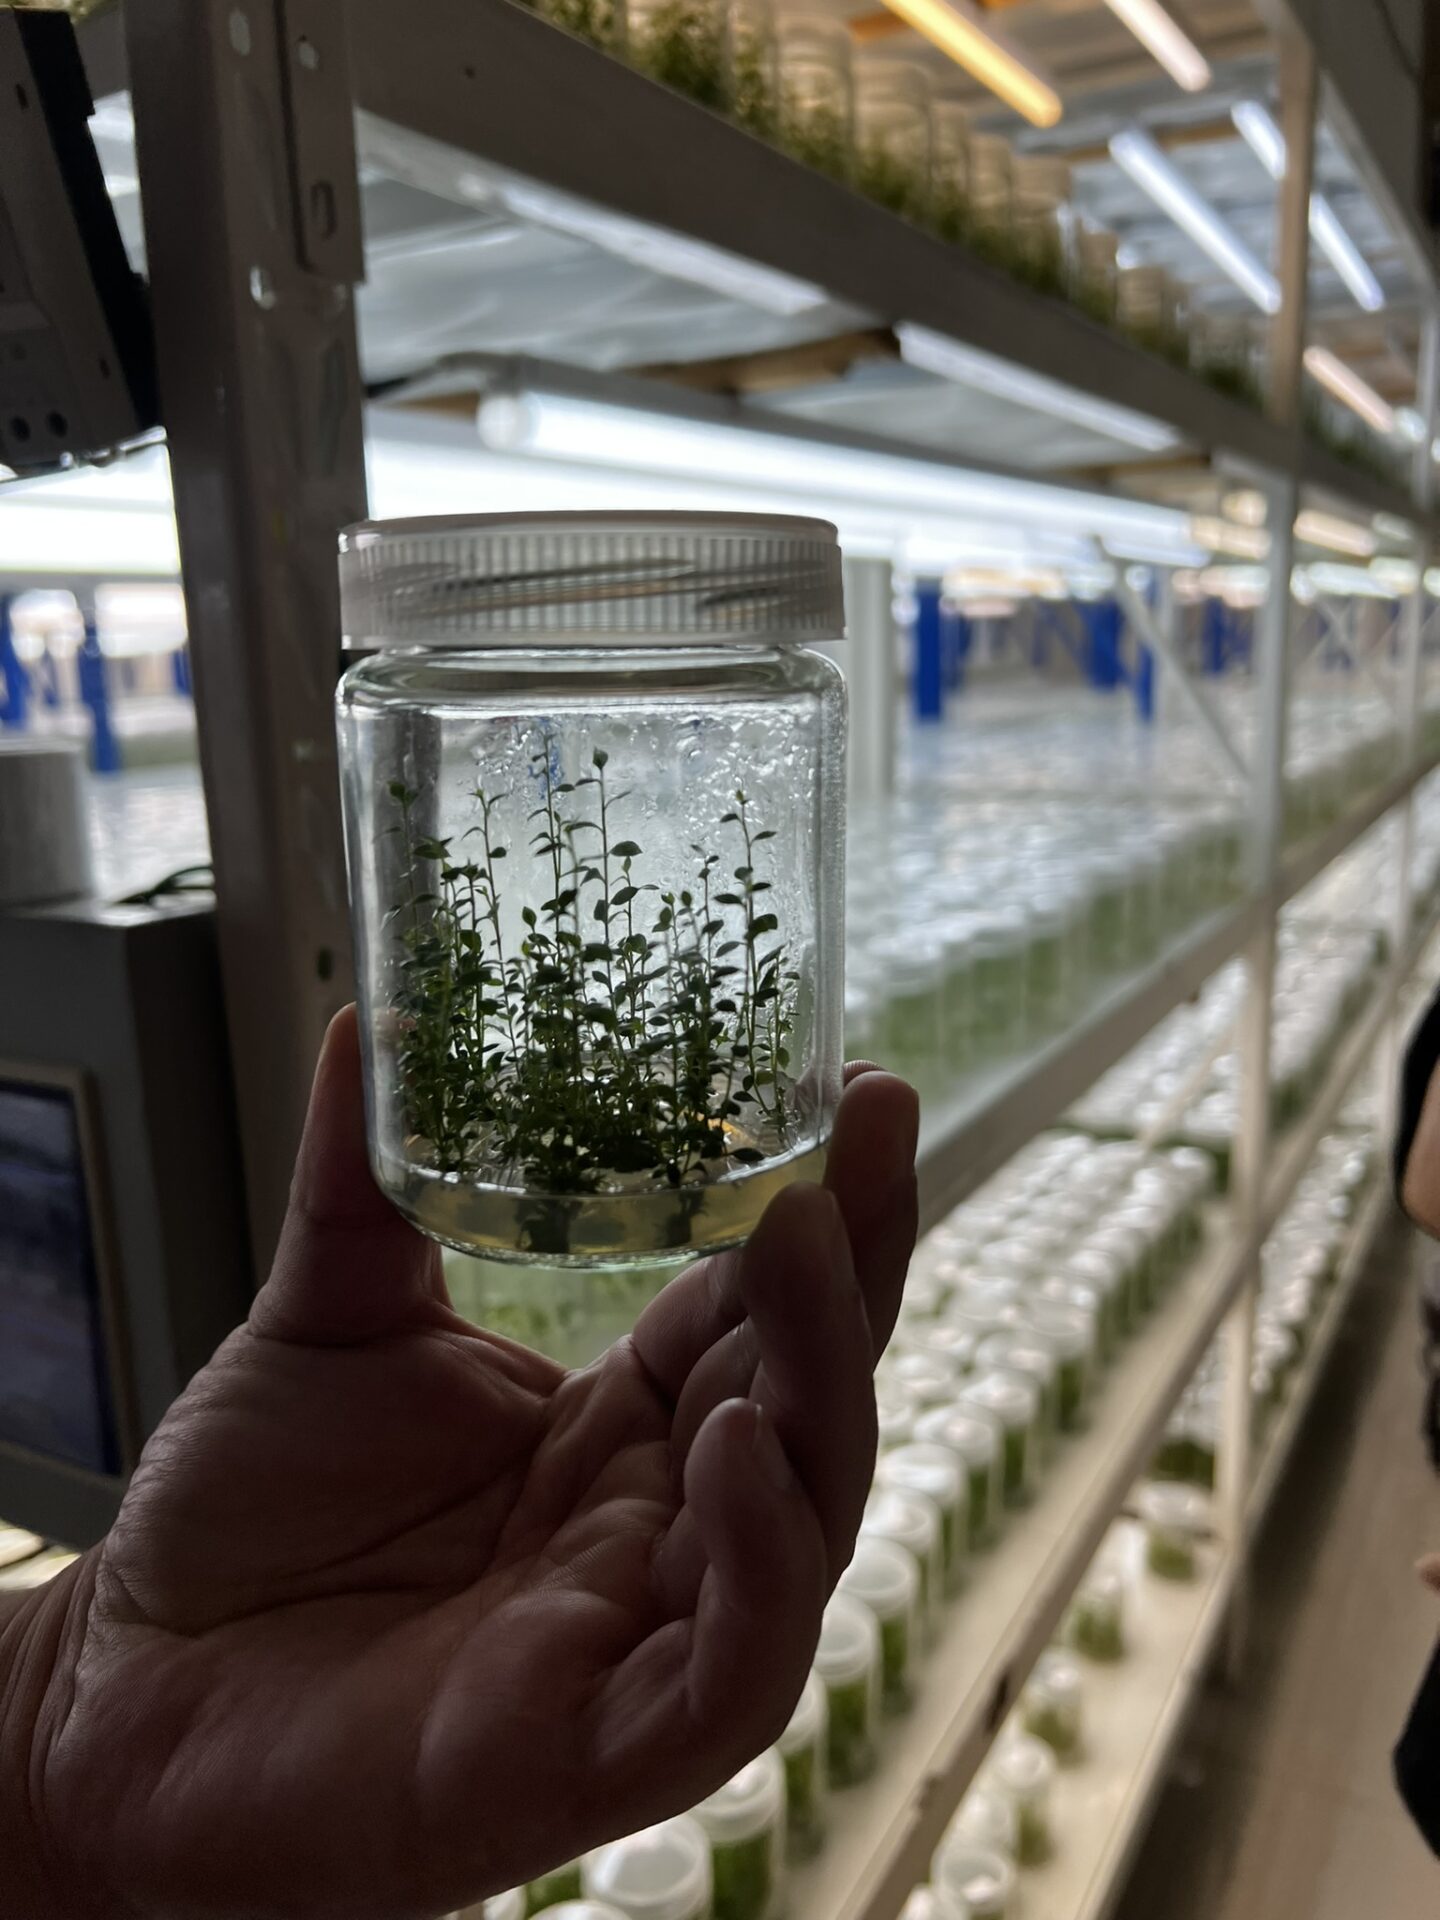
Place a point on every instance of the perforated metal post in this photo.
(868, 659)
(246, 152)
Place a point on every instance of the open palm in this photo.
(397, 1613)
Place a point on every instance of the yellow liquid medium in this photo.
(639, 1225)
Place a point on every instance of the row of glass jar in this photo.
(1299, 1265)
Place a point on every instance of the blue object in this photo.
(14, 681)
(180, 672)
(95, 692)
(929, 654)
(1106, 670)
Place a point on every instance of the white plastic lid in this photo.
(752, 1802)
(849, 1646)
(537, 579)
(506, 1906)
(932, 1903)
(882, 1576)
(1057, 1677)
(1024, 1767)
(662, 1873)
(908, 1520)
(1174, 1508)
(809, 1720)
(583, 1910)
(979, 1876)
(961, 1430)
(923, 1467)
(1014, 1400)
(930, 1377)
(985, 1819)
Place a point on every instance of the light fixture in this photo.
(1256, 126)
(654, 248)
(1170, 190)
(1347, 387)
(763, 461)
(1247, 506)
(1224, 536)
(1153, 27)
(1349, 583)
(954, 27)
(968, 367)
(1340, 536)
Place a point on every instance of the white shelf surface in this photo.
(1137, 1710)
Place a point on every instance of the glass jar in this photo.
(551, 1888)
(683, 44)
(985, 1819)
(661, 1873)
(754, 74)
(1097, 273)
(990, 203)
(892, 135)
(1040, 220)
(594, 801)
(817, 99)
(949, 168)
(884, 1578)
(847, 1660)
(509, 1905)
(1145, 305)
(1071, 1337)
(932, 1903)
(934, 1473)
(583, 1910)
(1015, 1403)
(1096, 1623)
(1021, 1356)
(980, 1880)
(802, 1749)
(601, 22)
(1175, 1517)
(1052, 1707)
(974, 1439)
(911, 1521)
(1024, 1771)
(745, 1825)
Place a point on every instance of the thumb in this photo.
(348, 1268)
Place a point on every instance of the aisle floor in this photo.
(1281, 1805)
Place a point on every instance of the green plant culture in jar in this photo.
(509, 1905)
(1039, 199)
(999, 947)
(1096, 274)
(601, 22)
(817, 107)
(1022, 1357)
(1052, 1707)
(985, 1819)
(1047, 981)
(949, 214)
(981, 1881)
(553, 1888)
(975, 1439)
(884, 1578)
(989, 192)
(847, 1660)
(1071, 1337)
(1103, 1270)
(754, 70)
(1015, 1403)
(1096, 1621)
(1175, 1517)
(684, 45)
(892, 136)
(594, 799)
(1024, 1770)
(661, 1873)
(803, 1749)
(933, 1473)
(745, 1825)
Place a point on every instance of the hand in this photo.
(397, 1614)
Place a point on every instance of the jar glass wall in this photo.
(596, 853)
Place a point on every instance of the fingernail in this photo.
(770, 1455)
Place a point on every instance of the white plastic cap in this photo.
(964, 1431)
(809, 1720)
(661, 1873)
(506, 1906)
(923, 1467)
(583, 1910)
(883, 1577)
(849, 1646)
(751, 1802)
(1024, 1767)
(982, 1879)
(615, 579)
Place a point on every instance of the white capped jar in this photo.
(661, 1873)
(974, 1438)
(803, 1749)
(884, 1578)
(817, 92)
(594, 803)
(1023, 1769)
(949, 168)
(893, 153)
(911, 1521)
(847, 1660)
(935, 1474)
(981, 1881)
(1053, 1703)
(745, 1824)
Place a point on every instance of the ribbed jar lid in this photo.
(614, 579)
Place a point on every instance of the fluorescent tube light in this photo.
(1347, 387)
(1170, 190)
(1410, 423)
(968, 367)
(1340, 536)
(760, 460)
(953, 26)
(1257, 127)
(1224, 536)
(1153, 27)
(661, 251)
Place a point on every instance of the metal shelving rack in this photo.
(247, 157)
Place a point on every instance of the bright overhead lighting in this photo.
(1340, 536)
(1257, 127)
(1357, 583)
(1224, 536)
(1170, 190)
(1410, 423)
(594, 432)
(1347, 387)
(1247, 506)
(1155, 30)
(657, 249)
(953, 26)
(968, 367)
